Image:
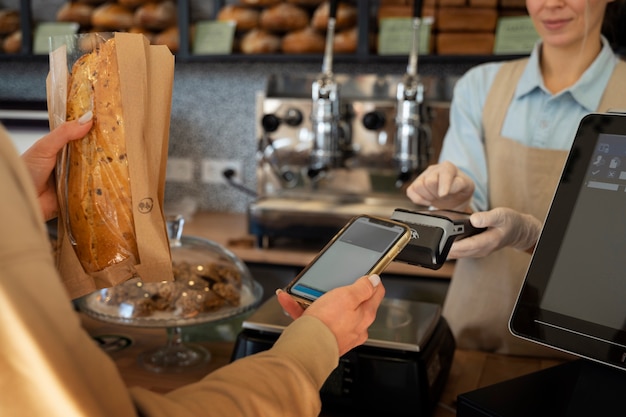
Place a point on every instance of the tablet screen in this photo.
(574, 294)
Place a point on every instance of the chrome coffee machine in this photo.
(331, 146)
(318, 164)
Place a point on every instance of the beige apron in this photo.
(483, 291)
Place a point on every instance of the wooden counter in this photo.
(470, 369)
(231, 231)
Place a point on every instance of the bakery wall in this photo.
(213, 113)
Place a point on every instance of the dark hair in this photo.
(613, 27)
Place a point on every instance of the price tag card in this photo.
(395, 36)
(214, 37)
(44, 31)
(515, 35)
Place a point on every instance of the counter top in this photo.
(231, 231)
(470, 369)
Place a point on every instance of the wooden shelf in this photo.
(362, 55)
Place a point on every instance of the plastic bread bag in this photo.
(111, 183)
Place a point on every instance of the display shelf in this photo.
(363, 53)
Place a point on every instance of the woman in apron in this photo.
(511, 127)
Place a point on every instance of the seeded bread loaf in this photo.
(99, 203)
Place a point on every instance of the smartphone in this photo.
(364, 246)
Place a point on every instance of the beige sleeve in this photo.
(284, 381)
(50, 366)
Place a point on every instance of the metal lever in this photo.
(268, 154)
(325, 116)
(412, 144)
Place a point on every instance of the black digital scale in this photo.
(399, 371)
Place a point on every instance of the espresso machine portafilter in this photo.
(413, 136)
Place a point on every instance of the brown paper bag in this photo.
(146, 79)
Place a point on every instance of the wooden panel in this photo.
(463, 43)
(483, 3)
(466, 19)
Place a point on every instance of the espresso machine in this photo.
(332, 146)
(347, 146)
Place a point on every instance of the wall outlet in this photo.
(213, 170)
(179, 170)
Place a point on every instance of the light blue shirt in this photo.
(535, 117)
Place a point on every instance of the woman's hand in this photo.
(347, 311)
(505, 227)
(41, 159)
(443, 186)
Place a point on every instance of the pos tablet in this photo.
(574, 294)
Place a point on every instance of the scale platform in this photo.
(399, 371)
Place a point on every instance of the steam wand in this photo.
(412, 144)
(325, 152)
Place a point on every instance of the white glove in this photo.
(505, 227)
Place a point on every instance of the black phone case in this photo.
(432, 235)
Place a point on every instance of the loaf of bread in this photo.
(258, 41)
(76, 12)
(9, 21)
(131, 3)
(156, 16)
(169, 37)
(346, 16)
(12, 44)
(305, 41)
(99, 203)
(260, 3)
(345, 41)
(284, 17)
(306, 3)
(112, 16)
(245, 18)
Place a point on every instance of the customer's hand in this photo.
(505, 227)
(348, 311)
(443, 186)
(41, 159)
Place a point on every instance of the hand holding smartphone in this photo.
(365, 246)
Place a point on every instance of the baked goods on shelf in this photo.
(9, 21)
(346, 16)
(262, 3)
(76, 12)
(156, 16)
(169, 37)
(346, 41)
(112, 16)
(245, 18)
(307, 3)
(259, 41)
(156, 19)
(304, 41)
(12, 43)
(284, 17)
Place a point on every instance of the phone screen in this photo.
(349, 256)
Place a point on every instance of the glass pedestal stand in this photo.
(176, 355)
